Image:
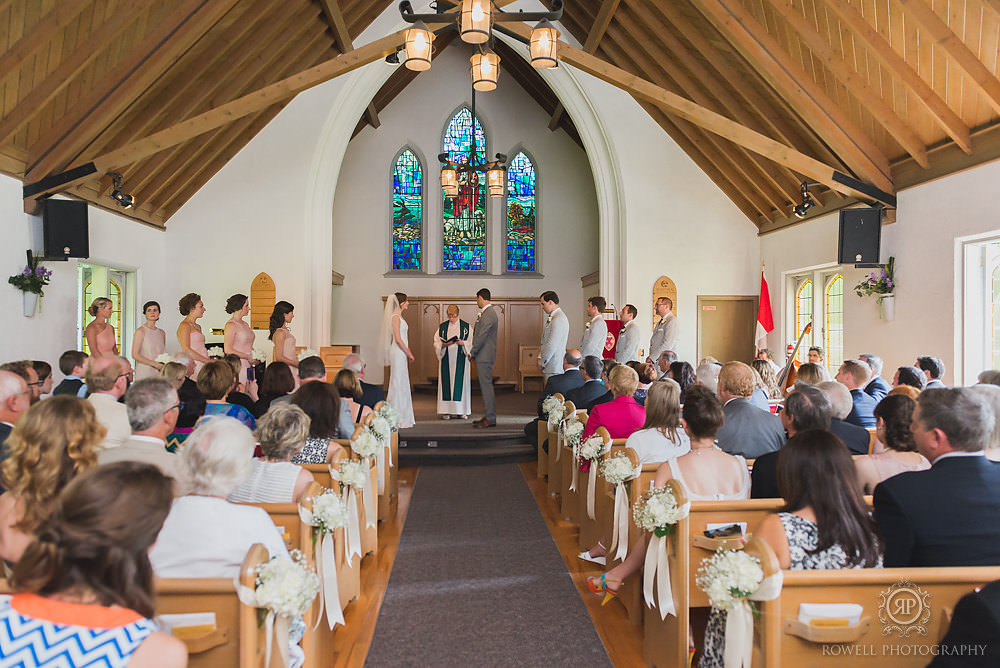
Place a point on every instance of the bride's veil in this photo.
(385, 336)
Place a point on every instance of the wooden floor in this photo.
(622, 641)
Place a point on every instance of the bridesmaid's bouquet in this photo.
(164, 358)
(308, 352)
(216, 352)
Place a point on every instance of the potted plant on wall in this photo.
(30, 282)
(881, 283)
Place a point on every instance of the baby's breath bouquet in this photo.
(329, 512)
(381, 428)
(593, 448)
(353, 474)
(728, 577)
(618, 469)
(553, 410)
(366, 444)
(259, 355)
(286, 586)
(571, 431)
(657, 511)
(216, 352)
(308, 352)
(164, 358)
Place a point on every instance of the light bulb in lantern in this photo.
(418, 42)
(474, 23)
(485, 70)
(542, 46)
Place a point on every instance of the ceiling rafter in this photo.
(335, 17)
(39, 35)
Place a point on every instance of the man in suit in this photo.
(933, 369)
(854, 375)
(663, 362)
(878, 387)
(562, 383)
(370, 394)
(595, 332)
(975, 623)
(854, 437)
(748, 430)
(555, 333)
(484, 354)
(627, 349)
(947, 514)
(152, 407)
(15, 399)
(73, 365)
(805, 408)
(108, 380)
(592, 392)
(665, 333)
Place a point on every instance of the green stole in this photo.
(447, 392)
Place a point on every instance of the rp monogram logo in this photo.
(904, 609)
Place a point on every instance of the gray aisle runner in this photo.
(478, 580)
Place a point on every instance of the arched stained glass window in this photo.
(407, 212)
(833, 327)
(995, 312)
(521, 191)
(803, 315)
(464, 224)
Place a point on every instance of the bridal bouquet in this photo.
(728, 577)
(571, 431)
(308, 352)
(618, 469)
(657, 511)
(353, 474)
(329, 512)
(164, 358)
(389, 414)
(286, 586)
(593, 448)
(366, 444)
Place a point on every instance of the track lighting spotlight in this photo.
(125, 200)
(807, 203)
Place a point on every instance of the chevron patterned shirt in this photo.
(36, 631)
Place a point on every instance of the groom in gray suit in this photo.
(484, 354)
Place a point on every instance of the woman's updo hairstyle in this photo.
(235, 303)
(400, 297)
(188, 302)
(98, 536)
(277, 320)
(97, 305)
(145, 307)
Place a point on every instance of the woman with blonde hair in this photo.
(811, 373)
(661, 437)
(348, 388)
(282, 434)
(622, 415)
(100, 335)
(189, 334)
(54, 441)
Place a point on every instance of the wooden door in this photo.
(726, 326)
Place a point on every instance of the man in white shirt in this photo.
(152, 407)
(107, 381)
(627, 349)
(663, 362)
(595, 332)
(555, 334)
(665, 333)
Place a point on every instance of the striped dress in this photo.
(36, 631)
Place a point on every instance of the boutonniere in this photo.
(479, 315)
(548, 320)
(589, 324)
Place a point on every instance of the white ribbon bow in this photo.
(739, 623)
(326, 568)
(380, 467)
(619, 533)
(274, 624)
(576, 467)
(591, 485)
(367, 496)
(353, 531)
(656, 570)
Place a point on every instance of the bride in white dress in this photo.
(396, 354)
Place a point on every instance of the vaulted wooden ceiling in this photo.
(761, 94)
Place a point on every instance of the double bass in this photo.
(786, 378)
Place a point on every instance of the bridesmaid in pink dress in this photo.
(284, 342)
(239, 337)
(99, 333)
(189, 333)
(148, 343)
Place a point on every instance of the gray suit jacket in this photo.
(484, 337)
(749, 431)
(595, 338)
(664, 336)
(628, 344)
(555, 333)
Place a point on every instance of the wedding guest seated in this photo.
(933, 369)
(991, 394)
(242, 394)
(54, 441)
(854, 376)
(73, 365)
(277, 384)
(44, 371)
(107, 382)
(759, 397)
(665, 361)
(315, 369)
(748, 431)
(905, 390)
(877, 386)
(910, 375)
(24, 369)
(281, 433)
(946, 515)
(647, 374)
(805, 408)
(975, 622)
(623, 415)
(707, 374)
(370, 394)
(683, 374)
(768, 378)
(706, 472)
(85, 586)
(215, 380)
(15, 399)
(349, 390)
(854, 437)
(989, 377)
(893, 416)
(323, 406)
(592, 392)
(765, 355)
(662, 437)
(191, 399)
(152, 406)
(562, 383)
(812, 374)
(205, 536)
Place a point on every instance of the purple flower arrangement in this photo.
(32, 279)
(878, 283)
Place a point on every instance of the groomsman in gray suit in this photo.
(665, 333)
(628, 339)
(595, 334)
(484, 354)
(555, 334)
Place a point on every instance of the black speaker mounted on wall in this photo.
(860, 236)
(65, 229)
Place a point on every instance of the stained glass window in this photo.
(407, 212)
(464, 225)
(521, 214)
(834, 323)
(803, 315)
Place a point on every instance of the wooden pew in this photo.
(543, 435)
(555, 444)
(630, 594)
(317, 643)
(570, 500)
(369, 509)
(592, 529)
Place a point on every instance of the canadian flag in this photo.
(765, 323)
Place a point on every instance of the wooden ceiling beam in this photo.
(88, 49)
(869, 98)
(799, 89)
(39, 35)
(129, 78)
(880, 48)
(335, 17)
(993, 5)
(947, 40)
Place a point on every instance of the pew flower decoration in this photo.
(389, 414)
(353, 474)
(572, 428)
(329, 512)
(553, 410)
(381, 427)
(164, 358)
(728, 577)
(657, 511)
(216, 352)
(366, 444)
(618, 469)
(593, 448)
(308, 352)
(286, 586)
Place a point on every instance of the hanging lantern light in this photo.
(474, 24)
(449, 181)
(418, 47)
(543, 45)
(485, 70)
(495, 179)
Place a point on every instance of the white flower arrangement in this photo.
(286, 586)
(259, 355)
(728, 577)
(381, 428)
(366, 444)
(617, 469)
(390, 414)
(593, 448)
(164, 358)
(571, 430)
(308, 352)
(216, 351)
(553, 410)
(353, 474)
(329, 512)
(657, 511)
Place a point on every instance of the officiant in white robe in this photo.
(454, 392)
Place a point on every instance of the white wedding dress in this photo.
(399, 379)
